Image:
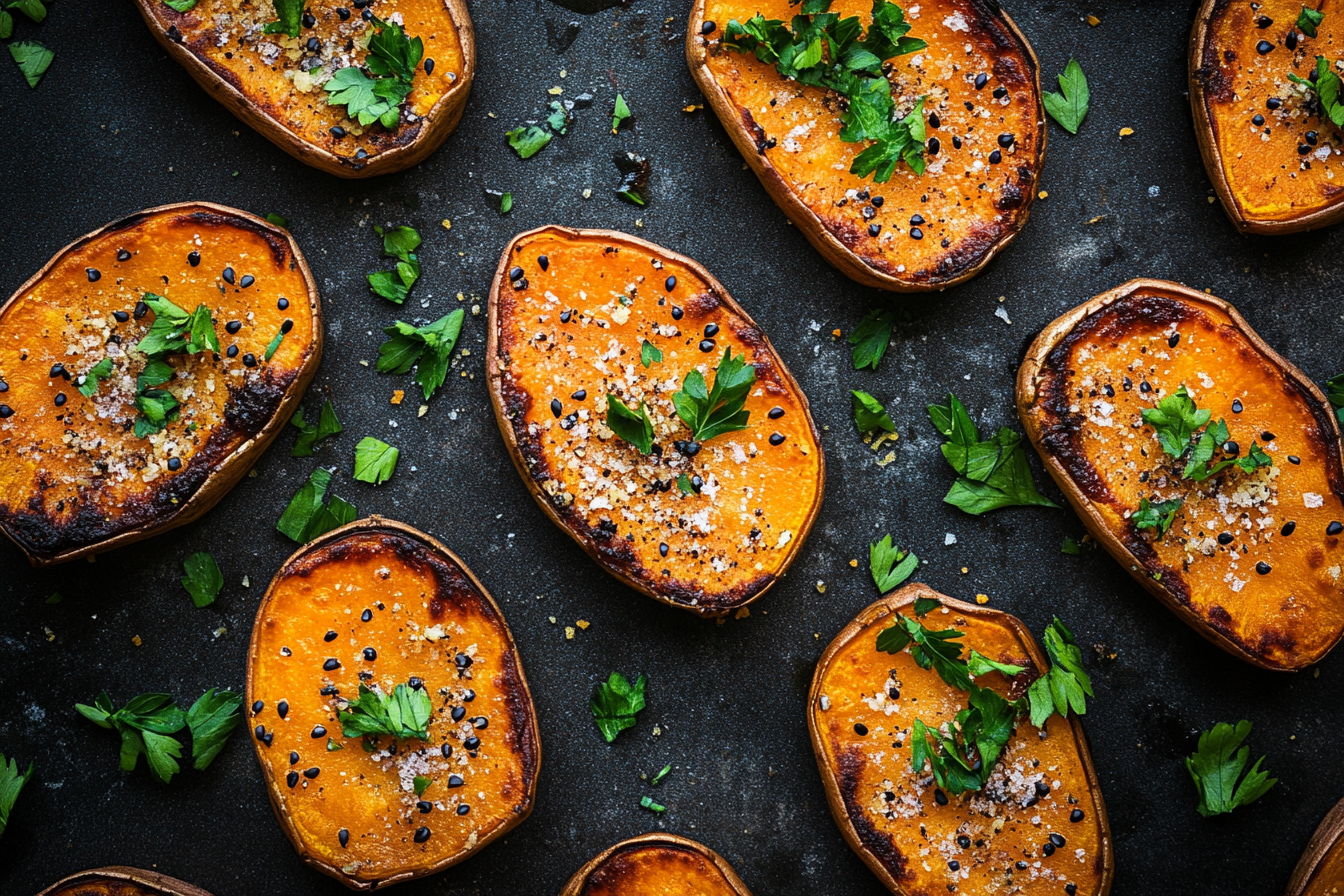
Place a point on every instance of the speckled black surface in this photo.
(116, 126)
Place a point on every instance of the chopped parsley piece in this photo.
(871, 338)
(1070, 546)
(635, 428)
(310, 513)
(889, 564)
(273, 345)
(310, 434)
(1175, 420)
(635, 171)
(173, 331)
(33, 59)
(820, 49)
(146, 725)
(33, 9)
(1326, 86)
(7, 24)
(180, 5)
(615, 703)
(1066, 685)
(1069, 107)
(427, 349)
(1216, 765)
(211, 720)
(559, 118)
(288, 15)
(1334, 391)
(1308, 20)
(991, 474)
(719, 410)
(1157, 516)
(203, 580)
(392, 60)
(88, 383)
(399, 243)
(649, 353)
(421, 784)
(619, 114)
(528, 140)
(375, 461)
(277, 220)
(403, 714)
(929, 648)
(684, 485)
(658, 778)
(11, 783)
(964, 751)
(648, 803)
(869, 415)
(505, 203)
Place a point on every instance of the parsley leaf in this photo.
(648, 803)
(1066, 685)
(203, 580)
(288, 14)
(144, 724)
(1334, 391)
(33, 59)
(635, 428)
(649, 353)
(964, 751)
(505, 203)
(889, 564)
(619, 114)
(685, 486)
(404, 714)
(427, 349)
(375, 461)
(871, 338)
(399, 243)
(1175, 420)
(88, 382)
(528, 140)
(869, 413)
(310, 513)
(11, 783)
(7, 24)
(1216, 765)
(929, 648)
(658, 778)
(559, 118)
(1157, 516)
(273, 345)
(991, 474)
(1071, 546)
(1308, 20)
(33, 9)
(718, 411)
(392, 60)
(1070, 108)
(310, 434)
(421, 784)
(211, 720)
(277, 220)
(615, 703)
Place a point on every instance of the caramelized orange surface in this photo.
(995, 841)
(970, 204)
(73, 474)
(1329, 877)
(657, 870)
(383, 606)
(570, 333)
(120, 881)
(1250, 556)
(1288, 165)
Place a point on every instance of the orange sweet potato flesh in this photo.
(1106, 460)
(896, 819)
(656, 865)
(1265, 183)
(74, 477)
(428, 618)
(254, 75)
(1320, 871)
(789, 135)
(563, 332)
(120, 881)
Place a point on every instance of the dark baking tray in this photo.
(116, 126)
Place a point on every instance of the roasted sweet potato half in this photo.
(985, 144)
(1236, 526)
(1272, 154)
(654, 865)
(392, 719)
(102, 444)
(1039, 825)
(119, 881)
(1320, 871)
(703, 525)
(276, 83)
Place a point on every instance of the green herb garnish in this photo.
(505, 203)
(871, 338)
(1070, 546)
(11, 783)
(1334, 392)
(1070, 108)
(1326, 86)
(1066, 685)
(648, 803)
(528, 140)
(404, 714)
(427, 349)
(33, 9)
(889, 564)
(658, 778)
(288, 14)
(375, 461)
(964, 751)
(146, 725)
(277, 220)
(649, 354)
(203, 580)
(685, 486)
(211, 720)
(929, 648)
(619, 114)
(635, 428)
(1216, 765)
(391, 61)
(1157, 516)
(180, 5)
(709, 413)
(615, 703)
(1308, 20)
(310, 434)
(33, 59)
(991, 474)
(869, 415)
(88, 382)
(399, 243)
(1175, 419)
(310, 513)
(421, 784)
(273, 345)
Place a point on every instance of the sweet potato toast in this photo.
(704, 525)
(1273, 156)
(655, 864)
(113, 425)
(1039, 824)
(275, 81)
(1234, 521)
(984, 149)
(1320, 871)
(392, 719)
(119, 881)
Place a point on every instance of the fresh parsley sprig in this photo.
(629, 425)
(991, 474)
(869, 414)
(1177, 422)
(1326, 87)
(1069, 107)
(889, 564)
(713, 412)
(311, 512)
(428, 349)
(403, 714)
(148, 722)
(399, 243)
(289, 16)
(311, 433)
(1216, 765)
(964, 751)
(1066, 684)
(931, 649)
(377, 96)
(173, 331)
(616, 702)
(32, 58)
(203, 580)
(1308, 20)
(375, 460)
(871, 338)
(11, 784)
(89, 381)
(1156, 515)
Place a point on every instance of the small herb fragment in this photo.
(1071, 546)
(719, 410)
(615, 703)
(889, 564)
(421, 784)
(288, 14)
(1308, 20)
(1216, 765)
(869, 415)
(528, 140)
(211, 720)
(375, 461)
(619, 114)
(929, 648)
(635, 428)
(1334, 391)
(203, 580)
(635, 171)
(310, 513)
(871, 338)
(1070, 108)
(648, 803)
(991, 474)
(658, 778)
(403, 714)
(88, 383)
(310, 434)
(273, 345)
(649, 353)
(1066, 685)
(964, 751)
(399, 243)
(427, 349)
(277, 220)
(1157, 516)
(11, 783)
(684, 485)
(505, 203)
(180, 5)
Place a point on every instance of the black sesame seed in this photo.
(282, 304)
(1224, 537)
(429, 66)
(1263, 568)
(415, 683)
(336, 130)
(916, 233)
(233, 326)
(57, 370)
(860, 729)
(292, 779)
(123, 255)
(6, 411)
(228, 276)
(934, 145)
(472, 743)
(343, 835)
(268, 738)
(995, 157)
(1267, 436)
(1144, 387)
(462, 661)
(1257, 120)
(121, 316)
(677, 313)
(366, 616)
(707, 27)
(1000, 92)
(331, 665)
(1071, 889)
(706, 345)
(1263, 21)
(939, 797)
(1047, 849)
(776, 439)
(964, 842)
(424, 806)
(1042, 789)
(1334, 528)
(447, 751)
(1288, 528)
(463, 809)
(1231, 447)
(1236, 406)
(318, 731)
(60, 399)
(1303, 149)
(916, 220)
(174, 464)
(367, 15)
(287, 325)
(776, 412)
(285, 651)
(662, 549)
(1006, 140)
(249, 360)
(458, 712)
(1021, 865)
(259, 732)
(1273, 103)
(1311, 137)
(480, 723)
(421, 834)
(232, 351)
(454, 780)
(1173, 340)
(94, 274)
(874, 229)
(258, 707)
(515, 273)
(981, 80)
(953, 865)
(247, 281)
(293, 758)
(1294, 459)
(1058, 840)
(877, 201)
(670, 283)
(934, 120)
(1291, 40)
(1263, 47)
(468, 695)
(370, 654)
(696, 483)
(556, 407)
(711, 330)
(282, 708)
(544, 262)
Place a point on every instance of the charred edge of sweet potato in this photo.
(258, 414)
(396, 151)
(837, 246)
(1057, 434)
(512, 403)
(618, 854)
(1324, 840)
(873, 845)
(119, 880)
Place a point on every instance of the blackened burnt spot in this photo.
(1216, 76)
(849, 774)
(968, 252)
(1010, 197)
(754, 130)
(701, 305)
(277, 244)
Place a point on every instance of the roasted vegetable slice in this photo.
(654, 864)
(975, 90)
(143, 370)
(1320, 871)
(327, 87)
(1269, 145)
(392, 719)
(1038, 826)
(118, 881)
(650, 418)
(1202, 460)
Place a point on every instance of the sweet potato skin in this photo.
(1284, 620)
(854, 679)
(117, 880)
(419, 595)
(588, 267)
(768, 118)
(300, 123)
(1264, 183)
(62, 490)
(653, 865)
(1320, 871)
